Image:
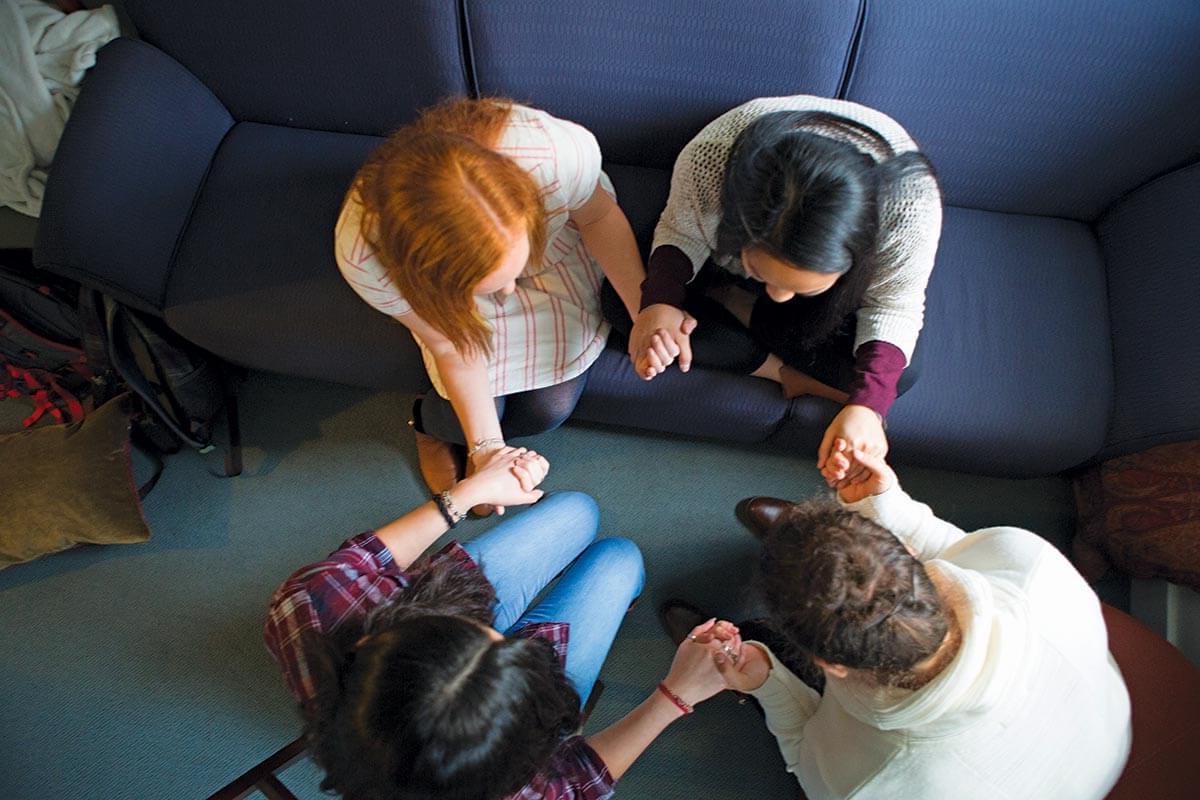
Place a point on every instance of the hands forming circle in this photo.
(713, 658)
(509, 476)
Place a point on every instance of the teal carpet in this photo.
(139, 672)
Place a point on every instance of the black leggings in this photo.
(722, 342)
(521, 414)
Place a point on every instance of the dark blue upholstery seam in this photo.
(1017, 213)
(212, 159)
(1166, 173)
(1112, 349)
(467, 50)
(851, 61)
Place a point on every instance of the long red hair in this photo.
(439, 208)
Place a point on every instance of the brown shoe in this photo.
(679, 617)
(441, 462)
(758, 514)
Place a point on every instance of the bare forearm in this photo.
(610, 241)
(470, 391)
(621, 743)
(410, 535)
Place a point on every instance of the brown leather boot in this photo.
(441, 462)
(758, 514)
(679, 617)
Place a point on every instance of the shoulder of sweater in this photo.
(1003, 548)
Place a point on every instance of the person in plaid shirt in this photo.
(423, 677)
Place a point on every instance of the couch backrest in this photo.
(1053, 108)
(646, 76)
(359, 67)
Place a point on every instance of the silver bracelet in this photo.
(480, 444)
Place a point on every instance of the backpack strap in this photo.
(117, 326)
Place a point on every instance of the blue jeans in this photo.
(524, 553)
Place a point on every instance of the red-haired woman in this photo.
(486, 228)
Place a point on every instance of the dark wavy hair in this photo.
(844, 589)
(419, 702)
(812, 200)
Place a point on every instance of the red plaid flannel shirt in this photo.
(361, 575)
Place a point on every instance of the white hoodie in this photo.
(1032, 706)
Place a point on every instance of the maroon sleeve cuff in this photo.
(667, 275)
(877, 370)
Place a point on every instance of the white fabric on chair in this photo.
(43, 56)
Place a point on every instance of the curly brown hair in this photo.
(844, 589)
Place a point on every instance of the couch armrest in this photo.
(1150, 240)
(130, 164)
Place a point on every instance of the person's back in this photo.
(1032, 705)
(1028, 704)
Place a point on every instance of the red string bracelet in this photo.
(676, 699)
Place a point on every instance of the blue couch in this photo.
(205, 163)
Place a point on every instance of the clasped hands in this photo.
(713, 658)
(661, 334)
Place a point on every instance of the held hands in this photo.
(873, 475)
(661, 333)
(749, 672)
(713, 658)
(862, 431)
(693, 674)
(507, 476)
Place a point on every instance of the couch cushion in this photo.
(1049, 108)
(361, 67)
(645, 77)
(1016, 375)
(255, 279)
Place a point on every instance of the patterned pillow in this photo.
(1140, 513)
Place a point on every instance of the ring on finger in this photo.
(730, 652)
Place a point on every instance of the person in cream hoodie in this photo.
(955, 665)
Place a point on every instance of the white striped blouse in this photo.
(550, 329)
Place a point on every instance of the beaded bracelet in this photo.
(676, 699)
(445, 504)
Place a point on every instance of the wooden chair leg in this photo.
(261, 777)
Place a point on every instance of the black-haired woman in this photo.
(796, 245)
(434, 678)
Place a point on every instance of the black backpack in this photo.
(70, 349)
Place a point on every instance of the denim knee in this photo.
(624, 569)
(574, 504)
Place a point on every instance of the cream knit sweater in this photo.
(1032, 706)
(893, 309)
